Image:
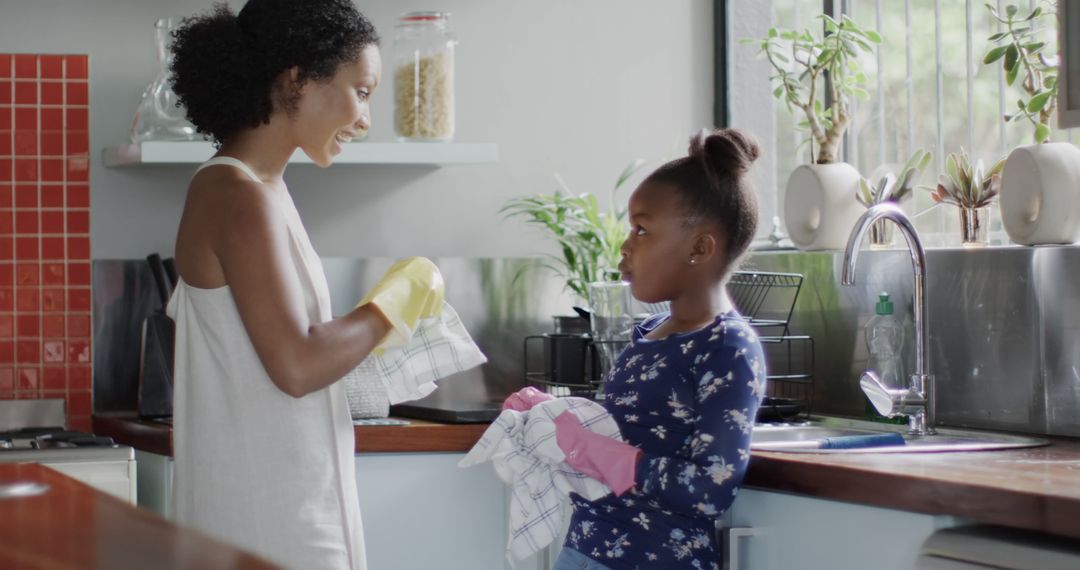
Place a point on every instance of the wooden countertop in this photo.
(72, 525)
(418, 436)
(1036, 488)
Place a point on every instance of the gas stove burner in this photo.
(50, 438)
(70, 439)
(30, 432)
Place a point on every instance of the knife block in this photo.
(156, 366)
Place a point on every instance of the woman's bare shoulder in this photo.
(225, 209)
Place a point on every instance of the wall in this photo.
(44, 232)
(578, 88)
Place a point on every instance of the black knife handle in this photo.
(170, 270)
(157, 269)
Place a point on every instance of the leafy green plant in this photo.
(892, 188)
(588, 238)
(968, 185)
(1022, 54)
(805, 64)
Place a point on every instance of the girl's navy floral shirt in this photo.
(688, 402)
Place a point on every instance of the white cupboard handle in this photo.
(733, 536)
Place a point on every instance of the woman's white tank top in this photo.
(254, 466)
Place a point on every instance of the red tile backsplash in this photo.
(45, 325)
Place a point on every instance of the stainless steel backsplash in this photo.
(1003, 327)
(500, 301)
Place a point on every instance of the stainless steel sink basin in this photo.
(806, 437)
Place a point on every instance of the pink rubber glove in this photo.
(525, 398)
(611, 462)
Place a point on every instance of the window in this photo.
(928, 89)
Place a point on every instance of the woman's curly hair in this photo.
(225, 66)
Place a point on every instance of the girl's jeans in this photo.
(570, 559)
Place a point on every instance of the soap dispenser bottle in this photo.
(885, 343)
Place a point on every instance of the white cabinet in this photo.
(155, 473)
(115, 477)
(768, 530)
(420, 510)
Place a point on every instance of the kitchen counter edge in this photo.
(1033, 489)
(417, 436)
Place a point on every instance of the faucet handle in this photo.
(879, 394)
(891, 402)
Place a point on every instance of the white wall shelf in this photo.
(194, 152)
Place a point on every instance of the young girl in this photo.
(262, 436)
(686, 391)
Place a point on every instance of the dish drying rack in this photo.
(767, 300)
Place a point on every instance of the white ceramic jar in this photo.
(1040, 194)
(820, 208)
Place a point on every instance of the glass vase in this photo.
(881, 234)
(158, 117)
(611, 323)
(975, 226)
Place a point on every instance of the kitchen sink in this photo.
(805, 437)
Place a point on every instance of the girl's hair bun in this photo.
(726, 153)
(712, 185)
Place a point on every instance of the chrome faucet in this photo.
(917, 400)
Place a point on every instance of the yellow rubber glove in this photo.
(412, 289)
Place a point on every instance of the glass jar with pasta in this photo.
(423, 66)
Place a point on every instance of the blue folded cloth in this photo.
(858, 441)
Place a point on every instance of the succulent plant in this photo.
(893, 188)
(968, 185)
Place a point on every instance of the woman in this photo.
(263, 439)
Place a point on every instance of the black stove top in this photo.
(50, 438)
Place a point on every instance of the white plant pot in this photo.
(1040, 194)
(820, 208)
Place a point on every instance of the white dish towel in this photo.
(439, 347)
(522, 448)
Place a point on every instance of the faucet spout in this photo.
(918, 401)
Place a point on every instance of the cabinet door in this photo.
(421, 511)
(155, 476)
(776, 530)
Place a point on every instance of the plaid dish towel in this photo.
(439, 347)
(522, 448)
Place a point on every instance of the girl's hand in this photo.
(525, 398)
(609, 461)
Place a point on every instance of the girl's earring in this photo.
(692, 261)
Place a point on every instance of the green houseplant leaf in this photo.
(1020, 50)
(588, 238)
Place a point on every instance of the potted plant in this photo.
(588, 238)
(1040, 183)
(890, 188)
(819, 76)
(1023, 54)
(971, 188)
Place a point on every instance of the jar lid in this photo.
(415, 17)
